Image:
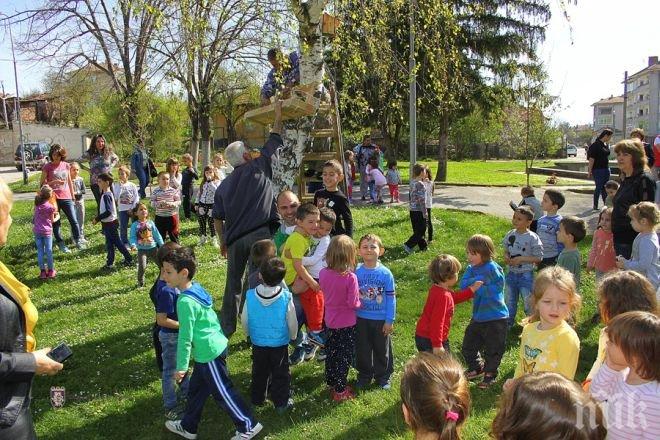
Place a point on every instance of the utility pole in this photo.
(17, 103)
(413, 90)
(4, 104)
(625, 103)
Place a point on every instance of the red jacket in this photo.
(438, 311)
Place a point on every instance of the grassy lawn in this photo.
(113, 385)
(491, 172)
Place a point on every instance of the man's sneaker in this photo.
(202, 240)
(51, 273)
(362, 384)
(175, 427)
(321, 355)
(347, 394)
(214, 242)
(128, 263)
(252, 433)
(107, 268)
(407, 249)
(81, 245)
(62, 247)
(309, 355)
(43, 274)
(173, 414)
(487, 381)
(83, 240)
(386, 385)
(298, 356)
(286, 408)
(316, 339)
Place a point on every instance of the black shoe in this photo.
(128, 263)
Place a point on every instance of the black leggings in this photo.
(204, 217)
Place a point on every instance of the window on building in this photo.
(640, 112)
(605, 111)
(641, 98)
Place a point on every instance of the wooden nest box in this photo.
(300, 103)
(329, 25)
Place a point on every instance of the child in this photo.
(110, 226)
(611, 187)
(374, 357)
(645, 217)
(432, 331)
(485, 335)
(205, 195)
(331, 197)
(418, 213)
(79, 191)
(349, 173)
(628, 381)
(377, 177)
(166, 200)
(223, 167)
(188, 174)
(293, 251)
(548, 343)
(314, 260)
(168, 333)
(145, 238)
(261, 251)
(393, 178)
(529, 199)
(435, 397)
(44, 214)
(269, 320)
(546, 405)
(172, 168)
(200, 335)
(602, 257)
(342, 299)
(127, 197)
(572, 230)
(429, 186)
(548, 227)
(620, 292)
(522, 251)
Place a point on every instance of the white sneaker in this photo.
(215, 243)
(175, 427)
(202, 240)
(248, 435)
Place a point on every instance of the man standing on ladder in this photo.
(363, 152)
(283, 76)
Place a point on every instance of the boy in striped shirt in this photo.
(166, 201)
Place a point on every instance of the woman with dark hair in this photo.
(19, 361)
(56, 174)
(101, 160)
(637, 185)
(598, 156)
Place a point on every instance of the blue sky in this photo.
(608, 37)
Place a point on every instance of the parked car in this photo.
(571, 150)
(36, 156)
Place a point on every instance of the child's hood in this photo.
(197, 292)
(267, 295)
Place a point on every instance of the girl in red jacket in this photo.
(432, 332)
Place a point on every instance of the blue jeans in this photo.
(124, 217)
(601, 176)
(44, 249)
(112, 240)
(168, 341)
(372, 190)
(143, 179)
(67, 208)
(517, 285)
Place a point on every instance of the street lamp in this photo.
(17, 103)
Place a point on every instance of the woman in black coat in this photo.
(637, 185)
(19, 361)
(598, 157)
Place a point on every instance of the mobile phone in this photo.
(60, 353)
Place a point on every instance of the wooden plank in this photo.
(292, 108)
(324, 133)
(312, 156)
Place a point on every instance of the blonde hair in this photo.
(645, 211)
(547, 406)
(443, 268)
(75, 165)
(342, 254)
(125, 169)
(435, 393)
(186, 157)
(553, 276)
(482, 245)
(637, 334)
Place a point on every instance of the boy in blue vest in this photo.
(269, 319)
(200, 336)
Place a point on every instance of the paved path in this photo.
(11, 174)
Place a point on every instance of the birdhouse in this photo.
(329, 25)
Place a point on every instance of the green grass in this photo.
(112, 383)
(491, 172)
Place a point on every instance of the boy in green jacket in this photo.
(200, 334)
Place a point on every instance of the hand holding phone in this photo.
(60, 353)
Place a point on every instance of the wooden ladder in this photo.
(298, 105)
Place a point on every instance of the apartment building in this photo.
(608, 113)
(643, 103)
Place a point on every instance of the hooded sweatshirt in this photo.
(269, 316)
(199, 328)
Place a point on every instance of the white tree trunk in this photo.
(296, 134)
